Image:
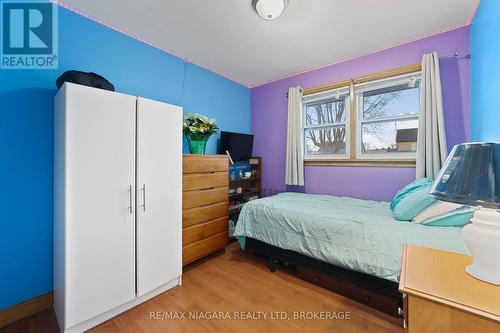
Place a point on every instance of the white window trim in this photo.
(362, 87)
(322, 96)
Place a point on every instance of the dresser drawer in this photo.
(205, 163)
(201, 214)
(201, 248)
(204, 230)
(196, 181)
(204, 197)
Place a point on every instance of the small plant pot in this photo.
(197, 142)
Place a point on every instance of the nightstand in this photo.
(439, 296)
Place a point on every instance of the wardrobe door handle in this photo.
(130, 199)
(143, 197)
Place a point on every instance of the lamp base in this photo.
(482, 238)
(485, 276)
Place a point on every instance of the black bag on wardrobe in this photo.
(86, 79)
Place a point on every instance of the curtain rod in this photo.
(454, 55)
(448, 55)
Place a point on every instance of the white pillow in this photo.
(435, 209)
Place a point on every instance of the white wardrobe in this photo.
(118, 203)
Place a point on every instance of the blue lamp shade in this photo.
(470, 176)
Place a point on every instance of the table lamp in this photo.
(471, 176)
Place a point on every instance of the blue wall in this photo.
(485, 72)
(26, 138)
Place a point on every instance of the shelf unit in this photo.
(251, 188)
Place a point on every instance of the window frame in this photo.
(329, 94)
(370, 85)
(353, 155)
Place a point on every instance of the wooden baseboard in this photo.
(26, 309)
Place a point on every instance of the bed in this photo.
(351, 239)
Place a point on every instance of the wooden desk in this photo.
(441, 297)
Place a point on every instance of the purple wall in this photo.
(269, 117)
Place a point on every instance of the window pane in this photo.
(325, 141)
(389, 137)
(391, 101)
(329, 111)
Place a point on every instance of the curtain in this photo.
(431, 140)
(294, 174)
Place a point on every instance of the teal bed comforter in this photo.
(360, 235)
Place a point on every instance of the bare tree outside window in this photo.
(332, 140)
(374, 106)
(329, 140)
(383, 130)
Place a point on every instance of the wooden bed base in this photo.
(382, 295)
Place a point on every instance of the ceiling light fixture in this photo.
(269, 9)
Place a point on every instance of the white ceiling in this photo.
(229, 38)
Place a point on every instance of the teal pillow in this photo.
(413, 203)
(456, 218)
(408, 189)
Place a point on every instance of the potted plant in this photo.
(198, 129)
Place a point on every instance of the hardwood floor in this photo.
(234, 283)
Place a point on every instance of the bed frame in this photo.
(380, 294)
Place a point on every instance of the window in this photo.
(368, 121)
(326, 123)
(387, 113)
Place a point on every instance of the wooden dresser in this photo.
(439, 296)
(205, 205)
